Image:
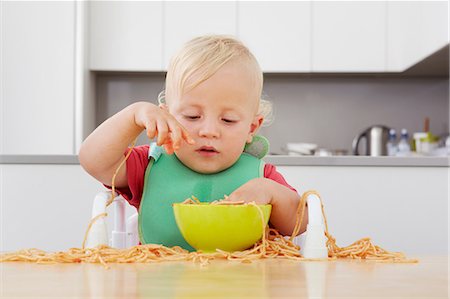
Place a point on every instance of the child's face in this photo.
(220, 115)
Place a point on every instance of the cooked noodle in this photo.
(271, 245)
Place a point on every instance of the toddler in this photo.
(210, 110)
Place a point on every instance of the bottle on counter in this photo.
(391, 145)
(404, 149)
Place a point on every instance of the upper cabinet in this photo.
(416, 29)
(285, 36)
(126, 36)
(348, 36)
(278, 34)
(185, 20)
(37, 78)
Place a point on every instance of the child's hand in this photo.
(258, 190)
(159, 123)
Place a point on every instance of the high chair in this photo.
(125, 232)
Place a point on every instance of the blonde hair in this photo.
(200, 58)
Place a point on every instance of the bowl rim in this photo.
(208, 204)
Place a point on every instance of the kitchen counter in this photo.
(279, 160)
(358, 161)
(222, 279)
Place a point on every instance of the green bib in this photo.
(169, 181)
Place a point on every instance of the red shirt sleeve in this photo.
(270, 172)
(136, 164)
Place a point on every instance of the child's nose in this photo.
(209, 129)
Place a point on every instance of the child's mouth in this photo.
(207, 151)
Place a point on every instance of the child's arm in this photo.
(103, 150)
(284, 202)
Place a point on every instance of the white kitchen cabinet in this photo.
(37, 77)
(51, 212)
(298, 36)
(348, 36)
(46, 206)
(126, 36)
(185, 20)
(416, 30)
(278, 34)
(400, 208)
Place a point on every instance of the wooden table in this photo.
(222, 279)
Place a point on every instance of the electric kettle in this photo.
(375, 138)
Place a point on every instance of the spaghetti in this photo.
(271, 245)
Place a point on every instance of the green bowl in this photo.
(231, 228)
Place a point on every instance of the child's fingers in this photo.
(175, 133)
(151, 129)
(168, 147)
(163, 131)
(235, 199)
(186, 136)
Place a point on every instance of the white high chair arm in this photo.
(124, 233)
(119, 235)
(313, 241)
(132, 230)
(98, 233)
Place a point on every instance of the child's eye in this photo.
(191, 117)
(229, 121)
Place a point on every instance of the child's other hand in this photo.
(257, 190)
(160, 124)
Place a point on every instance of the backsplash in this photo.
(326, 110)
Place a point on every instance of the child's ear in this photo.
(254, 126)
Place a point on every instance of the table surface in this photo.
(277, 278)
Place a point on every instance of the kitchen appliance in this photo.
(375, 138)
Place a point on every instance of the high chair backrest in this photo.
(125, 232)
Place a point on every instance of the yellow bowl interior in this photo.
(209, 227)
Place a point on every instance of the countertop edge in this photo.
(39, 159)
(276, 160)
